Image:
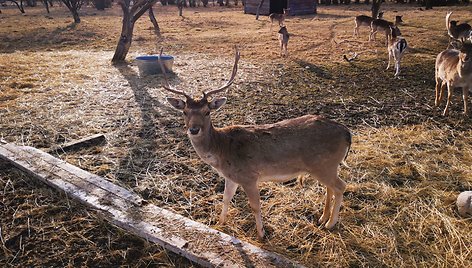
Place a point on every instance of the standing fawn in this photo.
(364, 20)
(278, 17)
(382, 25)
(396, 48)
(246, 155)
(283, 39)
(457, 31)
(454, 69)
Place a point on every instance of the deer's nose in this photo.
(194, 130)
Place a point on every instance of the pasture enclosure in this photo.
(297, 7)
(407, 162)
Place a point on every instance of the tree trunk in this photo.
(75, 15)
(429, 4)
(126, 35)
(46, 4)
(130, 16)
(259, 7)
(157, 30)
(376, 8)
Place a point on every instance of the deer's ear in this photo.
(216, 103)
(176, 103)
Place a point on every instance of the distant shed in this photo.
(297, 7)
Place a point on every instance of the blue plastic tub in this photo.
(149, 64)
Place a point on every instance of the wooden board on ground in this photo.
(96, 139)
(193, 240)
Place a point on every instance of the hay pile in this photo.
(406, 166)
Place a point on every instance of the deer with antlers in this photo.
(248, 154)
(456, 31)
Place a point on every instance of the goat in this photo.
(456, 31)
(283, 39)
(364, 20)
(454, 69)
(385, 26)
(396, 48)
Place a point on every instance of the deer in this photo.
(398, 20)
(245, 155)
(456, 31)
(453, 69)
(396, 48)
(363, 20)
(382, 25)
(278, 17)
(283, 40)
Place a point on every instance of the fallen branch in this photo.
(93, 140)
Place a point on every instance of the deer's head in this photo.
(465, 53)
(196, 111)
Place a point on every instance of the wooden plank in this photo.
(93, 140)
(193, 240)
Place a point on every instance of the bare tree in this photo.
(376, 8)
(74, 6)
(130, 15)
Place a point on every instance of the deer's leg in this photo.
(338, 187)
(335, 187)
(230, 190)
(440, 87)
(327, 208)
(252, 192)
(389, 58)
(465, 97)
(449, 95)
(397, 64)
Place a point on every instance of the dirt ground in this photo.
(406, 166)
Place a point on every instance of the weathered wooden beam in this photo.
(191, 239)
(93, 140)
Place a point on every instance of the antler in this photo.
(230, 81)
(166, 85)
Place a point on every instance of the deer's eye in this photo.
(185, 113)
(207, 113)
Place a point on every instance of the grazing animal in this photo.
(382, 25)
(454, 69)
(396, 48)
(398, 20)
(283, 39)
(246, 155)
(364, 20)
(278, 17)
(456, 31)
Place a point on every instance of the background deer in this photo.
(283, 40)
(278, 17)
(456, 31)
(382, 25)
(454, 69)
(398, 20)
(247, 155)
(396, 48)
(364, 20)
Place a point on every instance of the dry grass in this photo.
(407, 163)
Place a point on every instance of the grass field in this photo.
(406, 166)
